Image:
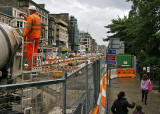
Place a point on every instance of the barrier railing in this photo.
(75, 93)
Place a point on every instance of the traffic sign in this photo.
(111, 57)
(112, 62)
(111, 51)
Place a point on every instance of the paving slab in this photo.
(131, 86)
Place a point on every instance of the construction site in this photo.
(55, 85)
(49, 66)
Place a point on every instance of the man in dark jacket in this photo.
(121, 104)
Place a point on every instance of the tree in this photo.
(140, 31)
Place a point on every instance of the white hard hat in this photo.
(32, 8)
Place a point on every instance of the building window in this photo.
(21, 24)
(18, 24)
(2, 20)
(24, 23)
(46, 21)
(15, 13)
(9, 21)
(42, 19)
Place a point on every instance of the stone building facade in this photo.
(61, 31)
(85, 39)
(23, 5)
(62, 16)
(16, 20)
(51, 30)
(4, 18)
(93, 46)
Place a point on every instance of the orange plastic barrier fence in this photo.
(104, 87)
(102, 96)
(126, 73)
(95, 111)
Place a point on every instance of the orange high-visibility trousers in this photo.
(32, 43)
(32, 31)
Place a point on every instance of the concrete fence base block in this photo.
(102, 111)
(113, 73)
(113, 76)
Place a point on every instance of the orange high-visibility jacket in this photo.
(33, 27)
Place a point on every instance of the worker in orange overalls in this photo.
(32, 34)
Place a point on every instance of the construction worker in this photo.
(32, 33)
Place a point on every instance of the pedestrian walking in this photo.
(121, 105)
(138, 110)
(145, 85)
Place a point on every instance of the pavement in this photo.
(131, 86)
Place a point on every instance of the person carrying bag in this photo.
(145, 87)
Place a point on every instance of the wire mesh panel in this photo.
(33, 100)
(75, 89)
(84, 89)
(102, 67)
(76, 93)
(7, 100)
(91, 86)
(94, 84)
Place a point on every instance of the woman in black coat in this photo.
(121, 104)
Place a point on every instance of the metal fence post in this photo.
(95, 82)
(107, 91)
(87, 88)
(107, 94)
(98, 76)
(64, 93)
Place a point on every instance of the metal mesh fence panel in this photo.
(75, 90)
(91, 87)
(76, 93)
(102, 67)
(94, 73)
(32, 100)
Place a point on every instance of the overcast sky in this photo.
(92, 15)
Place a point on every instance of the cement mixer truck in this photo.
(12, 66)
(10, 41)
